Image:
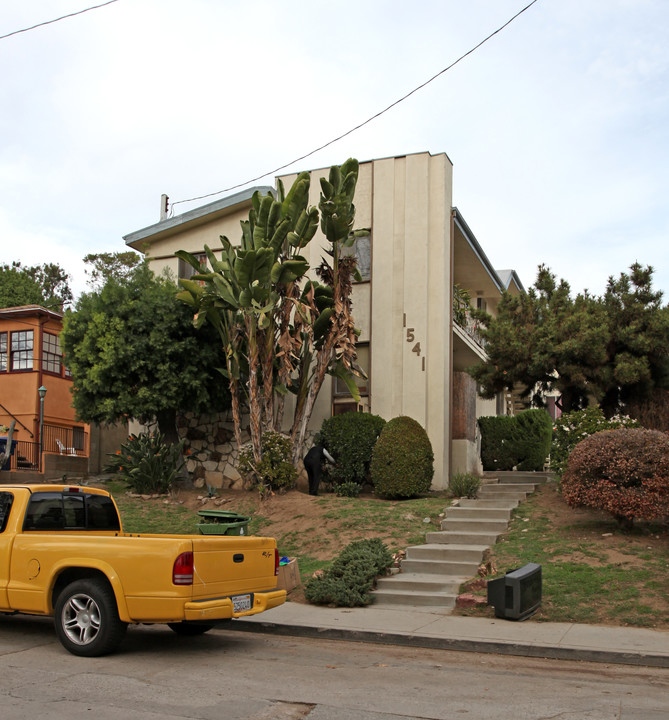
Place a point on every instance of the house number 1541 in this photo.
(411, 339)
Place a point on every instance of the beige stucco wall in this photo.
(404, 312)
(411, 297)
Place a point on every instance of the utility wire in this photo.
(49, 22)
(366, 122)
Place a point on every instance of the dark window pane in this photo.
(45, 512)
(6, 500)
(102, 513)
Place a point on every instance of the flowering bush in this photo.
(625, 472)
(575, 426)
(147, 463)
(275, 471)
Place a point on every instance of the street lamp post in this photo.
(42, 392)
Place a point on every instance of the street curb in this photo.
(551, 652)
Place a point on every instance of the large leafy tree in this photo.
(637, 352)
(281, 332)
(110, 266)
(133, 353)
(46, 285)
(608, 349)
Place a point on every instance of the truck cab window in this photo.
(64, 511)
(101, 513)
(45, 512)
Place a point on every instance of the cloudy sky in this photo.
(558, 127)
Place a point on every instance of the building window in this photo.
(341, 389)
(22, 350)
(52, 355)
(362, 251)
(186, 270)
(3, 352)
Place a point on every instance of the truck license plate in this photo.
(240, 603)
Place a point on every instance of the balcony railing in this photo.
(24, 457)
(65, 441)
(58, 440)
(462, 315)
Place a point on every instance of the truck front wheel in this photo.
(86, 619)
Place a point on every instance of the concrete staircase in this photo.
(431, 574)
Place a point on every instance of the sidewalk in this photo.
(429, 628)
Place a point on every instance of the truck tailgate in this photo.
(232, 564)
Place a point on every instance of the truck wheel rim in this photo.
(81, 619)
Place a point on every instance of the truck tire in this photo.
(86, 619)
(190, 629)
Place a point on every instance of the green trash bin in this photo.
(222, 522)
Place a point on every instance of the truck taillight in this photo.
(276, 561)
(182, 572)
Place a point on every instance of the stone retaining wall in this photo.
(213, 452)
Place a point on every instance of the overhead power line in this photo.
(64, 17)
(366, 122)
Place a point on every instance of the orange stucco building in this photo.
(30, 359)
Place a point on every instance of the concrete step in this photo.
(504, 503)
(502, 488)
(456, 524)
(461, 568)
(513, 496)
(431, 574)
(516, 476)
(421, 582)
(478, 513)
(463, 538)
(466, 553)
(443, 600)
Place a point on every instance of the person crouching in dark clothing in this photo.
(313, 463)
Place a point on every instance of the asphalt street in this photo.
(253, 676)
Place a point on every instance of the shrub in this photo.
(347, 489)
(350, 439)
(625, 472)
(532, 439)
(275, 471)
(347, 582)
(402, 461)
(575, 426)
(520, 441)
(147, 463)
(497, 452)
(464, 485)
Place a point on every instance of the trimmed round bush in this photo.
(571, 428)
(402, 462)
(350, 439)
(625, 472)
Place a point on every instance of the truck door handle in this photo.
(238, 557)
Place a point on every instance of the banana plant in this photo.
(276, 334)
(331, 342)
(214, 297)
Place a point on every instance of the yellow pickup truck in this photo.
(63, 552)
